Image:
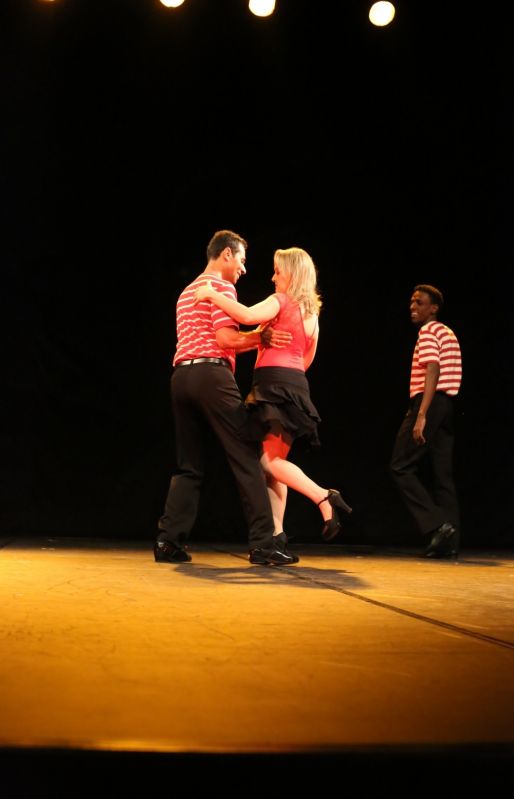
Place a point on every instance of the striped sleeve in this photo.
(437, 344)
(219, 317)
(428, 349)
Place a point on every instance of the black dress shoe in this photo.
(444, 543)
(166, 552)
(266, 557)
(281, 542)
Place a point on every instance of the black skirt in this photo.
(282, 395)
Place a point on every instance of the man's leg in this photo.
(405, 461)
(441, 457)
(224, 409)
(182, 501)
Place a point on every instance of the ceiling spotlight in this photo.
(262, 8)
(172, 3)
(382, 13)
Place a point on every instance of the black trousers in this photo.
(207, 393)
(429, 507)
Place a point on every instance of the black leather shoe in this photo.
(333, 525)
(166, 552)
(281, 542)
(444, 543)
(264, 557)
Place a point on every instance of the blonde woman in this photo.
(280, 392)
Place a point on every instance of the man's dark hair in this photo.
(435, 295)
(222, 239)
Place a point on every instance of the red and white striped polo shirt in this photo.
(436, 344)
(197, 324)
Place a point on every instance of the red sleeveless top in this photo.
(288, 318)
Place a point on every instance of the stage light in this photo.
(262, 8)
(172, 3)
(382, 13)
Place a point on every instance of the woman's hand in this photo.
(203, 292)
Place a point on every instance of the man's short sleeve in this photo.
(219, 317)
(428, 351)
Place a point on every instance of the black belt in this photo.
(191, 361)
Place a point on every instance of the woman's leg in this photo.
(277, 493)
(275, 449)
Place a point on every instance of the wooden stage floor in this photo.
(359, 660)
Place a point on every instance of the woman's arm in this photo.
(253, 315)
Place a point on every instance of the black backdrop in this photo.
(132, 132)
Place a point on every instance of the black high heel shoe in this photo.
(333, 525)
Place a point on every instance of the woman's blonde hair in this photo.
(299, 266)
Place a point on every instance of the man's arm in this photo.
(230, 338)
(431, 378)
(271, 337)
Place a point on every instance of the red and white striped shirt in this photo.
(197, 324)
(436, 343)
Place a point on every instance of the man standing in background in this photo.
(427, 429)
